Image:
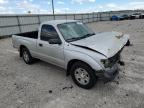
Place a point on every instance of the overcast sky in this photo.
(67, 6)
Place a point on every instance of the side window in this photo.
(48, 32)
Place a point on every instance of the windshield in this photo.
(75, 31)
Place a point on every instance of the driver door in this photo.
(52, 53)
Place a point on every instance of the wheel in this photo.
(27, 56)
(83, 75)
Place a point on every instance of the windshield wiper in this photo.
(73, 39)
(82, 37)
(88, 35)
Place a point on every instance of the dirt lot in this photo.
(42, 85)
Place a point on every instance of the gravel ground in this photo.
(42, 85)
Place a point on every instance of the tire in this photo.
(28, 59)
(83, 75)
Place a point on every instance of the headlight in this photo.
(105, 62)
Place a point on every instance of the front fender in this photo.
(72, 55)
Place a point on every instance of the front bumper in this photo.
(108, 74)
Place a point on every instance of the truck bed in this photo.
(33, 34)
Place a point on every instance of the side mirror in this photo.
(55, 41)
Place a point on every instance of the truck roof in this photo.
(56, 22)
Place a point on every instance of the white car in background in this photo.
(135, 16)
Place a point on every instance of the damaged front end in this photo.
(108, 74)
(110, 62)
(111, 68)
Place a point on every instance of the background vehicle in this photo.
(122, 17)
(125, 17)
(135, 16)
(116, 18)
(142, 16)
(71, 45)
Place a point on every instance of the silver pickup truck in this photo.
(85, 55)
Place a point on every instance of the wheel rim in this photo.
(82, 76)
(26, 56)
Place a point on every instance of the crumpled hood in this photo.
(108, 43)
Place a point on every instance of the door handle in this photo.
(41, 45)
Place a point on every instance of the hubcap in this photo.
(26, 57)
(82, 76)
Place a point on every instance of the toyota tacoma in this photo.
(69, 44)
